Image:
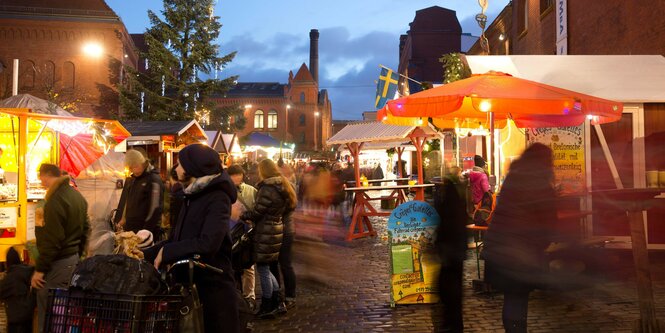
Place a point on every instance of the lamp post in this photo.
(316, 137)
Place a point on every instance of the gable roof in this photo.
(62, 8)
(253, 89)
(303, 74)
(375, 131)
(145, 128)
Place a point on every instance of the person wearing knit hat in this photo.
(199, 160)
(15, 293)
(142, 198)
(203, 228)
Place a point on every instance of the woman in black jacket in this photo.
(521, 229)
(275, 201)
(203, 229)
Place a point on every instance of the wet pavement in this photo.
(344, 287)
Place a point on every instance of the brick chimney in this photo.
(314, 54)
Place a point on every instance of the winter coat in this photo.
(66, 225)
(479, 185)
(522, 227)
(15, 293)
(142, 201)
(203, 226)
(272, 208)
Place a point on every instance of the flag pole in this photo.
(404, 76)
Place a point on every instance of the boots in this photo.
(281, 306)
(267, 309)
(514, 326)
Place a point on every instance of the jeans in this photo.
(57, 277)
(515, 309)
(268, 281)
(284, 267)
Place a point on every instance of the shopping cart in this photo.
(79, 311)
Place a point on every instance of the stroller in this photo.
(88, 307)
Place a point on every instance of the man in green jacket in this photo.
(61, 235)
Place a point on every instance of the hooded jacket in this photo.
(272, 207)
(203, 224)
(142, 202)
(65, 228)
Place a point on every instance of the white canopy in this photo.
(375, 131)
(624, 78)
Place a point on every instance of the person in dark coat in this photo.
(275, 201)
(15, 293)
(451, 245)
(142, 199)
(203, 229)
(520, 231)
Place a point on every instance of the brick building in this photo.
(296, 112)
(75, 48)
(593, 27)
(435, 31)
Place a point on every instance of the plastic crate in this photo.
(78, 311)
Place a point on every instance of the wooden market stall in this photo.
(162, 140)
(355, 136)
(29, 139)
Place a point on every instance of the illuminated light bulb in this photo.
(485, 106)
(590, 117)
(247, 106)
(93, 49)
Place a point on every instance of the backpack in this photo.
(117, 274)
(482, 215)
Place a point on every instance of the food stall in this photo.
(29, 139)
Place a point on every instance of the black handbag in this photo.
(191, 311)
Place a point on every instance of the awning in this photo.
(375, 131)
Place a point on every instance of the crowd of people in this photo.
(206, 200)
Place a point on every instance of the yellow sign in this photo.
(567, 144)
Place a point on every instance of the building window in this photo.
(302, 137)
(272, 119)
(302, 97)
(49, 74)
(545, 5)
(522, 16)
(301, 120)
(258, 119)
(68, 72)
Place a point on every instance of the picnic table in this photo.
(362, 208)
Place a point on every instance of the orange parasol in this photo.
(528, 103)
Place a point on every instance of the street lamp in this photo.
(93, 49)
(316, 137)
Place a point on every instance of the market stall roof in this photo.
(604, 76)
(222, 143)
(147, 128)
(375, 131)
(261, 140)
(408, 146)
(36, 104)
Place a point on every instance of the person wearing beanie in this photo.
(15, 293)
(142, 198)
(203, 229)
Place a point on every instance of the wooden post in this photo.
(354, 148)
(400, 171)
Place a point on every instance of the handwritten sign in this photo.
(414, 267)
(8, 217)
(567, 143)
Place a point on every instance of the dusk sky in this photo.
(272, 38)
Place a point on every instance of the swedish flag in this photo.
(386, 87)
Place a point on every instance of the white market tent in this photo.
(355, 136)
(604, 76)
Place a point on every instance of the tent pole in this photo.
(492, 157)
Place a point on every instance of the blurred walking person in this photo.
(275, 201)
(16, 294)
(521, 230)
(451, 245)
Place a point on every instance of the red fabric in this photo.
(78, 153)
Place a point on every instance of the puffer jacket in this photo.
(271, 206)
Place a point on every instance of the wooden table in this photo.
(362, 208)
(633, 202)
(385, 180)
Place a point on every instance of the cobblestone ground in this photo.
(344, 287)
